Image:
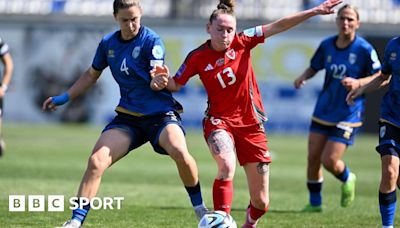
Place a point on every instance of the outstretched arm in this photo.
(378, 82)
(87, 80)
(8, 70)
(288, 22)
(301, 80)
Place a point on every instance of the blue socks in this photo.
(314, 188)
(195, 194)
(387, 207)
(79, 214)
(345, 175)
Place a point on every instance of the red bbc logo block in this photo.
(36, 203)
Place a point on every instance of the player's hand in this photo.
(299, 82)
(327, 7)
(351, 83)
(160, 77)
(51, 103)
(353, 94)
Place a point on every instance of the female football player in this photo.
(235, 115)
(142, 115)
(8, 64)
(389, 135)
(346, 58)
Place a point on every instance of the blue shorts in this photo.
(145, 128)
(339, 133)
(389, 140)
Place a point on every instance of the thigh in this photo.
(112, 145)
(389, 140)
(172, 139)
(258, 179)
(316, 144)
(219, 140)
(251, 144)
(165, 132)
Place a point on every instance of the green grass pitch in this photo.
(50, 160)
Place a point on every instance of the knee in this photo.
(226, 168)
(179, 154)
(97, 164)
(390, 174)
(260, 202)
(328, 163)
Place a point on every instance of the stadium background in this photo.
(53, 41)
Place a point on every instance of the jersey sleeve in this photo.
(374, 65)
(251, 37)
(100, 58)
(186, 70)
(155, 51)
(387, 66)
(317, 61)
(4, 48)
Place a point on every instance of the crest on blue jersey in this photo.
(382, 131)
(136, 52)
(352, 58)
(393, 56)
(157, 52)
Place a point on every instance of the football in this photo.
(217, 219)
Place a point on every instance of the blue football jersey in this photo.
(357, 60)
(390, 106)
(130, 62)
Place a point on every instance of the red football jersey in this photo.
(229, 79)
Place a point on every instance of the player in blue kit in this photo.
(143, 115)
(346, 58)
(8, 68)
(389, 123)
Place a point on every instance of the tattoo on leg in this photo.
(263, 168)
(220, 142)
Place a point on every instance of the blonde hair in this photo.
(349, 6)
(124, 4)
(224, 7)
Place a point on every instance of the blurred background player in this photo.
(8, 64)
(142, 114)
(346, 58)
(235, 115)
(389, 134)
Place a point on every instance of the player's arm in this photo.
(353, 83)
(301, 80)
(288, 22)
(8, 70)
(87, 79)
(378, 82)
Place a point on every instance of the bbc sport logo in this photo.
(55, 203)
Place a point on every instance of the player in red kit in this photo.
(235, 114)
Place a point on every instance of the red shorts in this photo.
(250, 141)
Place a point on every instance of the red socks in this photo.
(223, 195)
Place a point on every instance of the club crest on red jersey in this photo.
(231, 54)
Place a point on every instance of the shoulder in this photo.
(199, 51)
(329, 41)
(110, 37)
(393, 43)
(148, 33)
(363, 43)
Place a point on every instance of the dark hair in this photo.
(124, 4)
(349, 6)
(224, 7)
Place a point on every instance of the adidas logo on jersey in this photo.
(209, 67)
